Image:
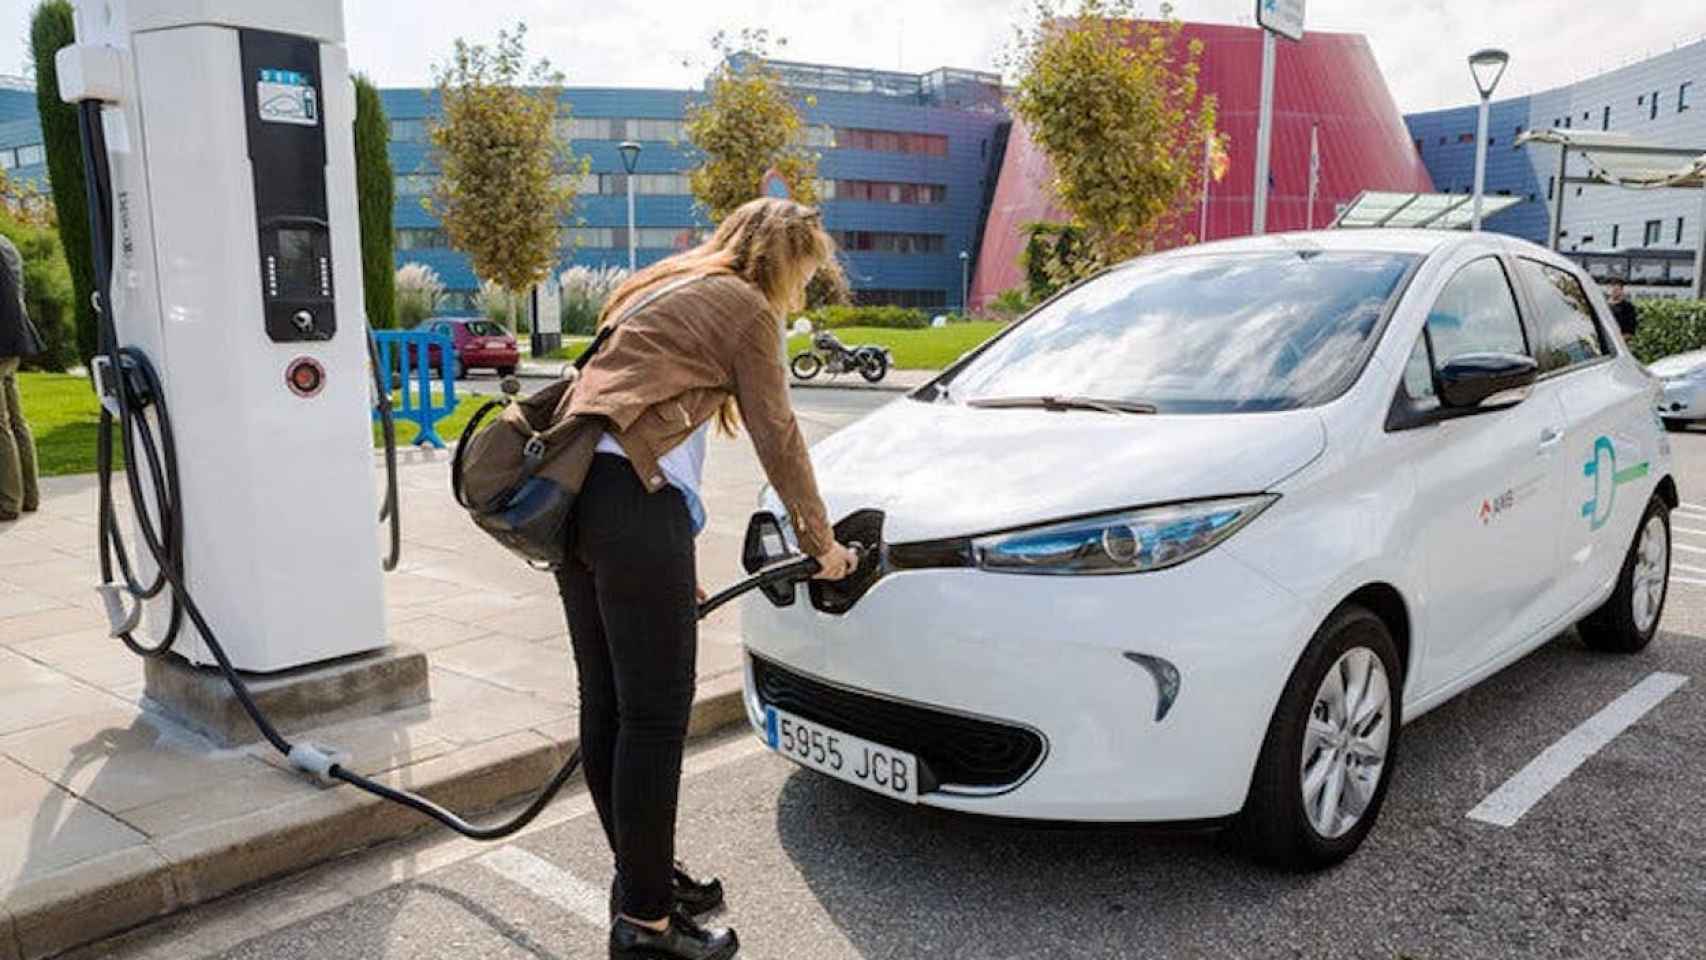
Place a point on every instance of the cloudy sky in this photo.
(1420, 44)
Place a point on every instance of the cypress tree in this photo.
(374, 189)
(51, 28)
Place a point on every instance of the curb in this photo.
(97, 898)
(861, 385)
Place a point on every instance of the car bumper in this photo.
(1683, 400)
(490, 358)
(1070, 658)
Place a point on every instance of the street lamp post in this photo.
(1486, 66)
(965, 281)
(630, 158)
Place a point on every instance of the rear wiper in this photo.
(1099, 404)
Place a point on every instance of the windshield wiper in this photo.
(1098, 404)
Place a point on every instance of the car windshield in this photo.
(1209, 333)
(484, 328)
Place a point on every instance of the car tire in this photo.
(806, 365)
(1282, 820)
(506, 371)
(1675, 424)
(875, 367)
(458, 371)
(1628, 621)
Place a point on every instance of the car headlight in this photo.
(1130, 541)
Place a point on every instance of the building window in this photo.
(421, 238)
(409, 131)
(1605, 118)
(876, 241)
(8, 159)
(1653, 107)
(1651, 235)
(1584, 115)
(1682, 95)
(818, 136)
(892, 141)
(1557, 122)
(901, 298)
(1567, 122)
(1466, 138)
(415, 184)
(1679, 231)
(1614, 228)
(1442, 141)
(30, 155)
(1641, 100)
(883, 191)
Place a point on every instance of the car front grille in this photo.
(954, 750)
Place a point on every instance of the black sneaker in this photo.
(692, 897)
(684, 940)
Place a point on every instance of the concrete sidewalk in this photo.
(111, 815)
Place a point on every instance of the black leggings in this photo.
(628, 593)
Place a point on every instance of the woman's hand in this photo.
(836, 562)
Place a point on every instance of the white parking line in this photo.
(1516, 796)
(550, 883)
(1696, 507)
(1688, 580)
(1699, 533)
(1688, 549)
(1685, 568)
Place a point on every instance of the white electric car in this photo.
(1191, 540)
(1684, 379)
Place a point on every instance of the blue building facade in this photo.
(908, 165)
(1644, 237)
(21, 153)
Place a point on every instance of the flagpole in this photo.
(1314, 176)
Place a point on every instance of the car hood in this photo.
(1678, 364)
(942, 470)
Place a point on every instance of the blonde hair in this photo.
(774, 244)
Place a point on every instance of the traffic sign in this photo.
(1284, 17)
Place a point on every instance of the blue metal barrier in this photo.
(407, 354)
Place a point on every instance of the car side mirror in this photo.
(1486, 380)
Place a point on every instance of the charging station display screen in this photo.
(298, 268)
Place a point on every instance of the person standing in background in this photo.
(18, 339)
(1622, 309)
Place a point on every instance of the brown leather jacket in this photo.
(668, 366)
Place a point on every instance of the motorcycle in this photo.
(829, 353)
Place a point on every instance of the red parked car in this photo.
(480, 343)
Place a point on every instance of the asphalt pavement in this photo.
(1608, 860)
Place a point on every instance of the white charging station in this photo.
(237, 269)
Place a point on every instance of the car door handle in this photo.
(1550, 437)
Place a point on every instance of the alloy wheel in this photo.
(1345, 742)
(1652, 565)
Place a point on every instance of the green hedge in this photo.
(1667, 327)
(888, 318)
(47, 292)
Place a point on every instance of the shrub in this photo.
(1667, 327)
(51, 27)
(887, 317)
(47, 291)
(374, 199)
(506, 309)
(418, 290)
(1009, 305)
(585, 290)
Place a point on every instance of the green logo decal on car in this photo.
(1604, 451)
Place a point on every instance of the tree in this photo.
(51, 28)
(748, 125)
(507, 177)
(1114, 103)
(47, 278)
(374, 190)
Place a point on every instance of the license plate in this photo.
(885, 770)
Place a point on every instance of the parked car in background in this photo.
(1684, 377)
(1194, 539)
(479, 343)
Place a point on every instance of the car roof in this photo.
(1420, 242)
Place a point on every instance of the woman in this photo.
(696, 337)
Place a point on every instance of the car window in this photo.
(1198, 333)
(1569, 333)
(1476, 313)
(1419, 371)
(484, 328)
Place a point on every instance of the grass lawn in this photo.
(930, 349)
(63, 414)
